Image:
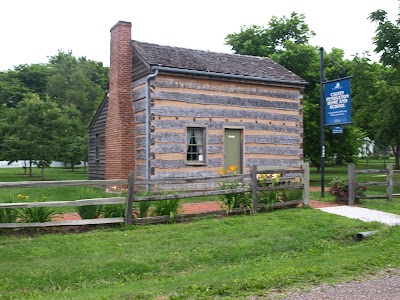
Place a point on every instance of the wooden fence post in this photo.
(254, 187)
(129, 199)
(389, 182)
(351, 171)
(306, 184)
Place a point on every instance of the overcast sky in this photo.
(32, 30)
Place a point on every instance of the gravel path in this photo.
(383, 287)
(364, 214)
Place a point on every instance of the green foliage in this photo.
(143, 209)
(8, 215)
(339, 187)
(167, 208)
(264, 41)
(234, 200)
(35, 129)
(89, 211)
(77, 81)
(387, 38)
(289, 195)
(230, 258)
(76, 87)
(35, 214)
(268, 198)
(113, 210)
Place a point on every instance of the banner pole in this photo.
(322, 103)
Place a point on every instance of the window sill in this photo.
(194, 163)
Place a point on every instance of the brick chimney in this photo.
(120, 126)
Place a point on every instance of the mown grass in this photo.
(17, 174)
(229, 258)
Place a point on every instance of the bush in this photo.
(35, 214)
(8, 215)
(89, 211)
(143, 209)
(167, 207)
(114, 210)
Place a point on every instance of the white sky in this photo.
(32, 30)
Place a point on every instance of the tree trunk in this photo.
(42, 171)
(30, 167)
(72, 165)
(396, 152)
(84, 166)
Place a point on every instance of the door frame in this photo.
(242, 130)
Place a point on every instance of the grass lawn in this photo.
(228, 258)
(17, 174)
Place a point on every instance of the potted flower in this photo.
(339, 188)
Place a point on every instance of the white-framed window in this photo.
(196, 145)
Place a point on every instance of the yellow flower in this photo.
(232, 168)
(276, 177)
(221, 171)
(114, 187)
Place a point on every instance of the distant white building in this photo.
(367, 148)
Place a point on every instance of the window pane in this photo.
(195, 144)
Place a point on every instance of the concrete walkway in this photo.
(364, 214)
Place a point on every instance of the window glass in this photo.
(195, 142)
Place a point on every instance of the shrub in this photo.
(143, 208)
(167, 207)
(114, 210)
(234, 200)
(89, 211)
(339, 188)
(35, 214)
(8, 215)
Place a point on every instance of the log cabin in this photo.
(177, 112)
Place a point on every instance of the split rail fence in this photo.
(389, 183)
(288, 176)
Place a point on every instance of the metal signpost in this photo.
(335, 101)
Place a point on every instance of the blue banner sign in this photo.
(337, 102)
(337, 129)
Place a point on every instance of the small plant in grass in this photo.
(35, 214)
(234, 200)
(268, 198)
(339, 188)
(8, 215)
(167, 208)
(143, 208)
(89, 211)
(114, 210)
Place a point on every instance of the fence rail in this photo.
(132, 185)
(389, 184)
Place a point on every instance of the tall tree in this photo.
(285, 40)
(77, 81)
(12, 90)
(387, 38)
(387, 98)
(264, 41)
(34, 129)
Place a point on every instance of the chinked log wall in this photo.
(270, 116)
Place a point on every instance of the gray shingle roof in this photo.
(199, 60)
